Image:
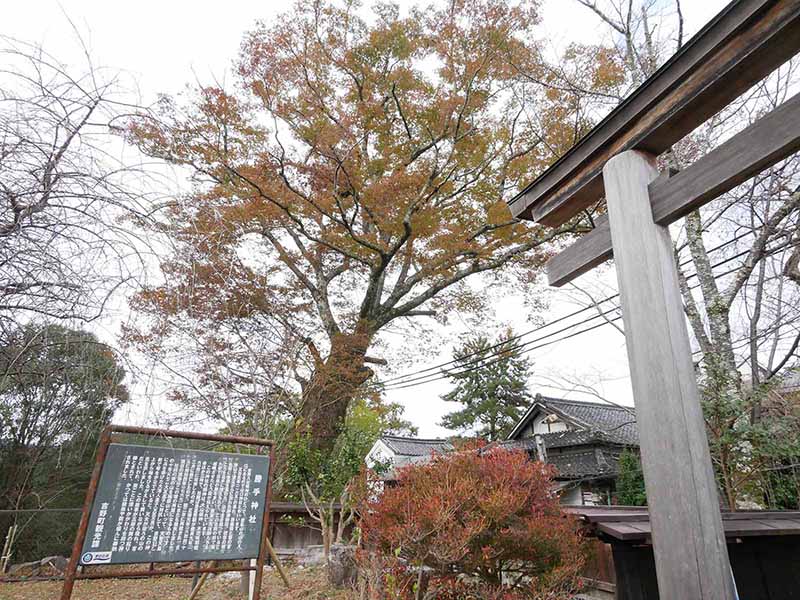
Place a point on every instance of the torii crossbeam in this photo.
(616, 160)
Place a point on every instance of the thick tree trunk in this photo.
(332, 386)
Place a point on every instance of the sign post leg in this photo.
(262, 547)
(688, 539)
(251, 580)
(72, 566)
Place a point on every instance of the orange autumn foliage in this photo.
(480, 520)
(355, 175)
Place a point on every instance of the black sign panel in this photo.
(156, 504)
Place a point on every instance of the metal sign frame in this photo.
(106, 439)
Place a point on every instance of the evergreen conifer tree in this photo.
(630, 484)
(491, 383)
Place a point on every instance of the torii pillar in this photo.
(688, 538)
(745, 42)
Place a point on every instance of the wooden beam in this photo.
(688, 539)
(764, 143)
(588, 251)
(739, 47)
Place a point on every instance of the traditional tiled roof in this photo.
(564, 439)
(790, 384)
(616, 424)
(590, 450)
(404, 446)
(592, 463)
(587, 460)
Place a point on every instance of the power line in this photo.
(447, 375)
(525, 347)
(407, 381)
(504, 343)
(404, 378)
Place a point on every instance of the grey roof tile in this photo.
(404, 446)
(589, 464)
(564, 439)
(616, 423)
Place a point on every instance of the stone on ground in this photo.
(342, 571)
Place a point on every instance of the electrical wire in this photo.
(503, 344)
(407, 381)
(450, 374)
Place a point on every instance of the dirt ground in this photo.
(307, 584)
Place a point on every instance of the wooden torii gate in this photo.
(616, 160)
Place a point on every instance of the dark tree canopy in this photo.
(630, 483)
(58, 388)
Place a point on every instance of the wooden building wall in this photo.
(765, 568)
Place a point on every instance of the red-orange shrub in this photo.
(485, 523)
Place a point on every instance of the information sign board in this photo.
(159, 504)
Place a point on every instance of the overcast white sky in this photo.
(164, 44)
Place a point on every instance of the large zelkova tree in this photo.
(491, 382)
(356, 175)
(238, 373)
(738, 269)
(325, 479)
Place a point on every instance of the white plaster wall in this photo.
(540, 425)
(379, 453)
